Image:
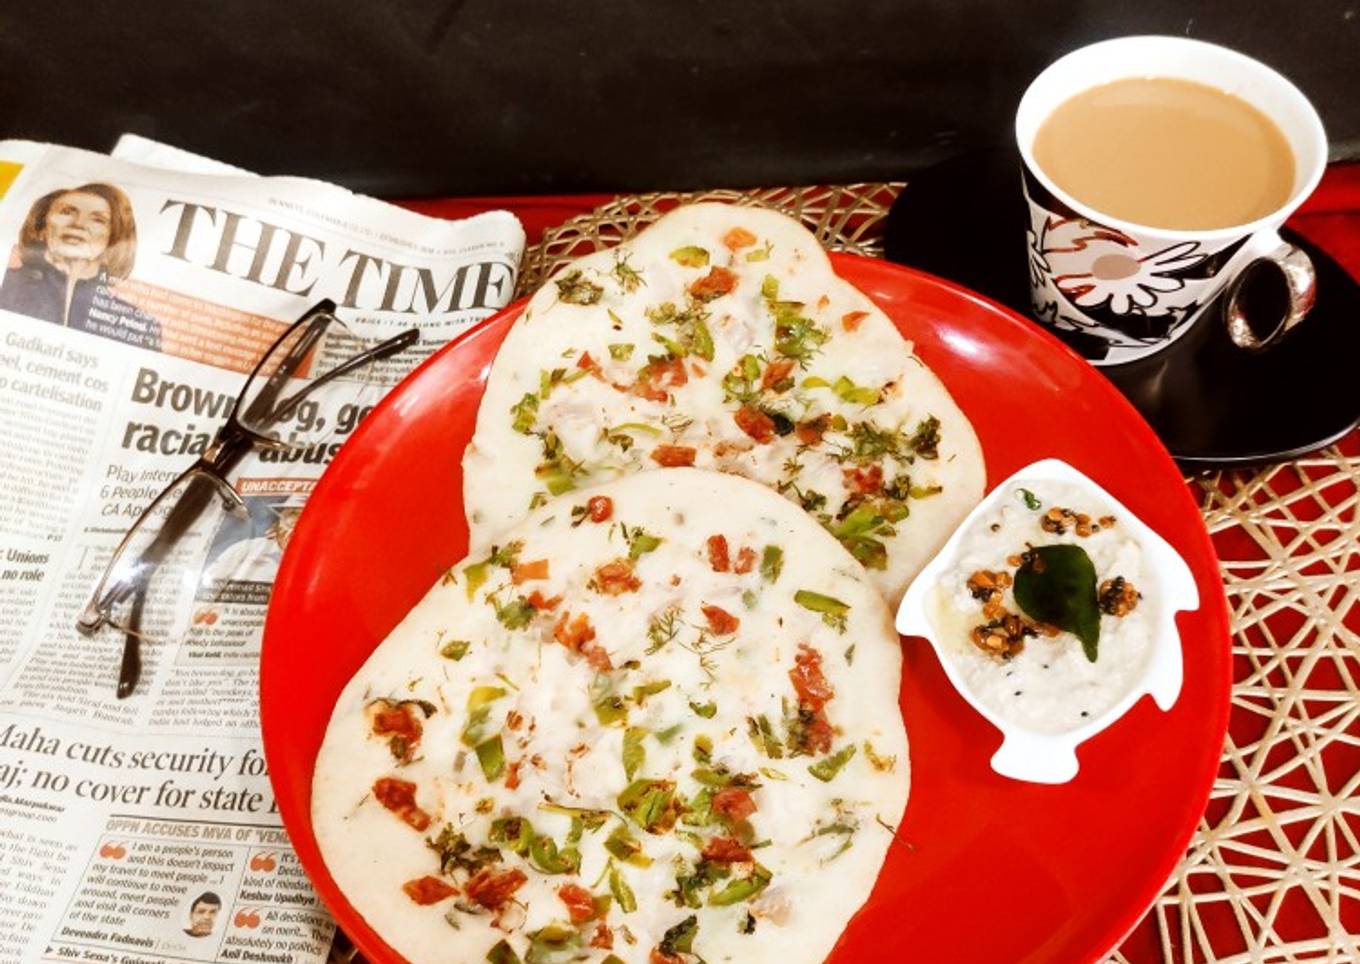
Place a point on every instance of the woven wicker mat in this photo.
(1273, 870)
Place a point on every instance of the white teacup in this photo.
(1129, 289)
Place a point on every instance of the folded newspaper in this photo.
(135, 300)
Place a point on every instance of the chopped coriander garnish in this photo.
(650, 804)
(622, 892)
(760, 254)
(925, 441)
(691, 256)
(739, 890)
(1031, 500)
(848, 391)
(771, 563)
(680, 938)
(491, 755)
(859, 532)
(634, 753)
(639, 541)
(623, 845)
(454, 649)
(476, 575)
(741, 384)
(611, 708)
(621, 351)
(526, 414)
(574, 289)
(826, 768)
(516, 614)
(628, 277)
(479, 711)
(502, 953)
(832, 610)
(692, 334)
(640, 693)
(706, 710)
(762, 735)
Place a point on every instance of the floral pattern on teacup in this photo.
(1113, 296)
(1099, 267)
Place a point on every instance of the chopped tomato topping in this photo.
(726, 850)
(573, 633)
(733, 804)
(657, 377)
(616, 578)
(746, 560)
(658, 956)
(399, 796)
(719, 281)
(738, 238)
(864, 481)
(512, 776)
(399, 721)
(811, 432)
(428, 890)
(817, 732)
(673, 456)
(580, 902)
(603, 938)
(851, 320)
(588, 363)
(491, 889)
(600, 508)
(597, 657)
(579, 637)
(776, 372)
(538, 568)
(808, 681)
(542, 603)
(717, 553)
(755, 423)
(720, 620)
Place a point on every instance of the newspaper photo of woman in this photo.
(74, 244)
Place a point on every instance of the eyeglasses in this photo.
(190, 550)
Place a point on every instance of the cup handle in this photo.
(1285, 279)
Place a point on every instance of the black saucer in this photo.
(1212, 403)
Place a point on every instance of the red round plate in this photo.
(987, 869)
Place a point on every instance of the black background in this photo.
(422, 97)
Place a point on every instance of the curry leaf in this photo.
(1057, 585)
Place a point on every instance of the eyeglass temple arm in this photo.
(391, 346)
(316, 320)
(130, 667)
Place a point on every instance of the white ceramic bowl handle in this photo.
(1036, 759)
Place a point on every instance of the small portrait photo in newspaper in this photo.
(75, 244)
(203, 911)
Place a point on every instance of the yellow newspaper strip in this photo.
(9, 170)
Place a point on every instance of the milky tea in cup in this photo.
(1157, 171)
(1168, 153)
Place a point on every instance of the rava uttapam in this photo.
(721, 338)
(657, 722)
